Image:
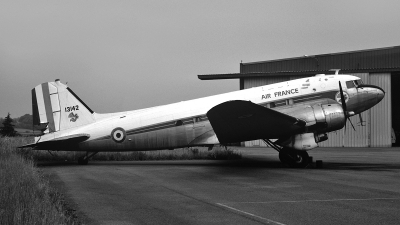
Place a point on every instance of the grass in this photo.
(218, 153)
(25, 195)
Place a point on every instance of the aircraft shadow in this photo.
(241, 163)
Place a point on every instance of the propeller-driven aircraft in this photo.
(291, 116)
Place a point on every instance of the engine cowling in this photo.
(329, 117)
(320, 118)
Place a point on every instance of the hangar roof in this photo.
(370, 60)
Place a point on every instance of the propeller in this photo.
(344, 106)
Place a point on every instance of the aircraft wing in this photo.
(60, 143)
(236, 121)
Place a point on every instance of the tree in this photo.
(24, 121)
(8, 127)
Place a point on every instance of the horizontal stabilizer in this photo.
(236, 121)
(61, 143)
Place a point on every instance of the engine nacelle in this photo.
(319, 118)
(304, 141)
(330, 116)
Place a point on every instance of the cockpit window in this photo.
(358, 82)
(350, 84)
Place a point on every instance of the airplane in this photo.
(291, 116)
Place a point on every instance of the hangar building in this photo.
(379, 67)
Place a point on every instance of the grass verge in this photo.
(218, 153)
(25, 195)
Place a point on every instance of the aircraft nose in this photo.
(367, 96)
(380, 94)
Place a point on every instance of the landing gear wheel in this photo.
(294, 158)
(302, 159)
(82, 161)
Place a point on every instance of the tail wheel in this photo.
(294, 158)
(83, 160)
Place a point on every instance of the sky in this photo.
(127, 55)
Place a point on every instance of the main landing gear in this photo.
(292, 158)
(83, 160)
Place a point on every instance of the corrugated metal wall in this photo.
(298, 77)
(381, 114)
(260, 81)
(366, 59)
(374, 132)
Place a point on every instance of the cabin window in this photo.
(271, 105)
(178, 123)
(196, 119)
(281, 103)
(350, 84)
(289, 102)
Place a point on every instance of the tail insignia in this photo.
(73, 117)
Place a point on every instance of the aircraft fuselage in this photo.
(186, 124)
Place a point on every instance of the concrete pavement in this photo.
(355, 186)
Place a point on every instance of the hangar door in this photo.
(381, 114)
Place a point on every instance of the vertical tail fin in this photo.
(55, 104)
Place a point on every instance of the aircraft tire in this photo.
(302, 159)
(284, 157)
(83, 161)
(294, 158)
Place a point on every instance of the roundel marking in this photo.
(118, 134)
(338, 98)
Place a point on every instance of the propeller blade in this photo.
(344, 106)
(343, 100)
